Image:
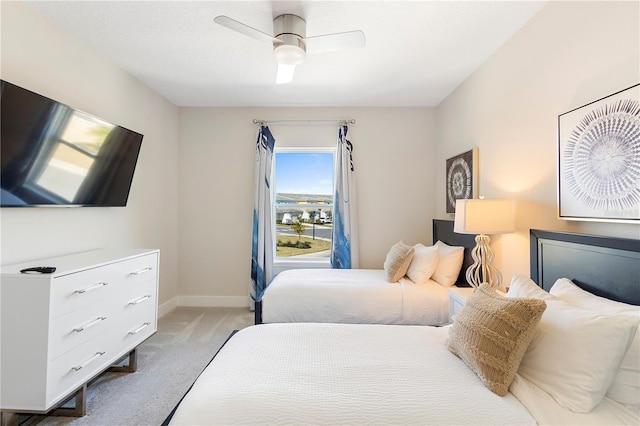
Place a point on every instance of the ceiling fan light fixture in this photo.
(285, 73)
(289, 54)
(290, 43)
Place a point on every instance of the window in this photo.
(303, 203)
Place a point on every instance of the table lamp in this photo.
(483, 217)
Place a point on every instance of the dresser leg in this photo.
(79, 409)
(9, 418)
(80, 406)
(130, 368)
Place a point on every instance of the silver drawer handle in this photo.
(139, 329)
(141, 271)
(87, 362)
(142, 299)
(93, 287)
(89, 324)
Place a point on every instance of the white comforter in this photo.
(343, 374)
(356, 296)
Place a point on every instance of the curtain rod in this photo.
(304, 121)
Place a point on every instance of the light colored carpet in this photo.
(168, 363)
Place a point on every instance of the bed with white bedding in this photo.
(328, 374)
(369, 296)
(581, 365)
(342, 374)
(356, 296)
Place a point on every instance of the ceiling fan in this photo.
(290, 43)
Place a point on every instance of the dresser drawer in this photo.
(136, 328)
(80, 326)
(74, 368)
(135, 297)
(74, 291)
(138, 269)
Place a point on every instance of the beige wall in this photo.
(203, 213)
(37, 55)
(570, 54)
(393, 155)
(193, 189)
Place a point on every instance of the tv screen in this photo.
(54, 155)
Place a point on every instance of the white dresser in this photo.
(60, 330)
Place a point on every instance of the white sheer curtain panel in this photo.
(344, 250)
(263, 225)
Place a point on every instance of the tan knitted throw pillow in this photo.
(397, 261)
(491, 334)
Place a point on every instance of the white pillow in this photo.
(423, 263)
(625, 388)
(449, 264)
(575, 353)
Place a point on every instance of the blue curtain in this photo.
(344, 250)
(263, 225)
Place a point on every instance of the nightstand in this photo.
(457, 299)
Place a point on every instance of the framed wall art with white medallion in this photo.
(462, 178)
(599, 159)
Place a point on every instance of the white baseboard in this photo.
(167, 307)
(214, 301)
(205, 302)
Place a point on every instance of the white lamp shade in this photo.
(483, 216)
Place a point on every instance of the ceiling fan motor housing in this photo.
(290, 30)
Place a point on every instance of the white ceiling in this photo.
(417, 52)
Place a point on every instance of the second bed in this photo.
(354, 296)
(366, 296)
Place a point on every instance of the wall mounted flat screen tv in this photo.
(54, 155)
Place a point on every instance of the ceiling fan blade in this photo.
(238, 26)
(335, 42)
(285, 73)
